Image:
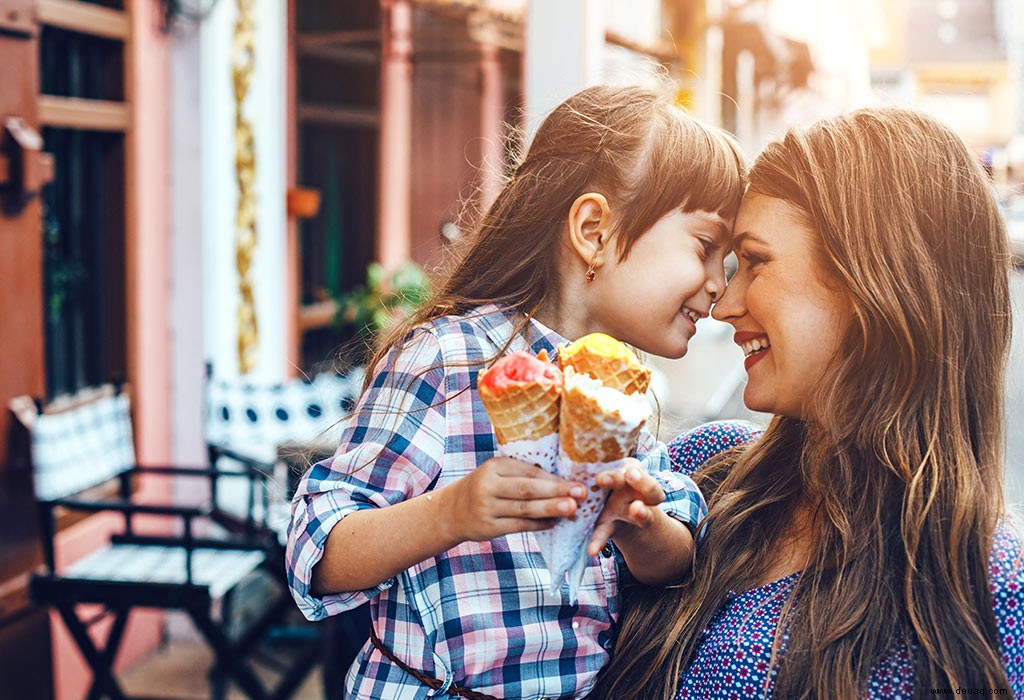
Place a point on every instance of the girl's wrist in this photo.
(441, 504)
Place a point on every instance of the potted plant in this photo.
(386, 298)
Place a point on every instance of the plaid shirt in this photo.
(478, 615)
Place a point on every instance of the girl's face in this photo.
(653, 299)
(789, 318)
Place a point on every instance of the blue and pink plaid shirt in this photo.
(479, 615)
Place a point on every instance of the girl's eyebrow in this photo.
(721, 228)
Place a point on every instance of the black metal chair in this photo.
(197, 568)
(292, 423)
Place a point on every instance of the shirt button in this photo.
(575, 624)
(607, 550)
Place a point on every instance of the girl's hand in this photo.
(634, 493)
(503, 496)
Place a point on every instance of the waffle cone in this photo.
(627, 377)
(525, 412)
(589, 434)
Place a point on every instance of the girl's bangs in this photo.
(711, 171)
(697, 168)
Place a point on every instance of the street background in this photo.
(214, 200)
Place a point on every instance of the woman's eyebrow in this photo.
(739, 238)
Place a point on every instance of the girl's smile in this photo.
(654, 297)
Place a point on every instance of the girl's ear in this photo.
(589, 224)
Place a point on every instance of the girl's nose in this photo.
(715, 283)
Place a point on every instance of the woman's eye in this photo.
(751, 261)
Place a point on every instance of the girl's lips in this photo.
(693, 326)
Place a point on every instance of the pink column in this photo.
(492, 118)
(147, 200)
(291, 281)
(393, 217)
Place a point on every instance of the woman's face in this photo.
(789, 318)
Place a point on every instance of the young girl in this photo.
(618, 220)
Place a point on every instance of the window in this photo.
(84, 112)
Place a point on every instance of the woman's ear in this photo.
(589, 224)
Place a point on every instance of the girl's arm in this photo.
(499, 497)
(657, 547)
(368, 513)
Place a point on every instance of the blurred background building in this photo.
(206, 182)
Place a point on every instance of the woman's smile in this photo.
(754, 346)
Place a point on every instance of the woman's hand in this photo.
(503, 496)
(630, 506)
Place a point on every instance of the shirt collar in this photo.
(498, 323)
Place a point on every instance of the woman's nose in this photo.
(729, 305)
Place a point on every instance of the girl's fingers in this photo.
(646, 486)
(602, 533)
(535, 508)
(510, 525)
(527, 488)
(639, 514)
(611, 480)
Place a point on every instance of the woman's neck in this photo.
(793, 551)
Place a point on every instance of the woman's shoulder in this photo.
(691, 449)
(1005, 566)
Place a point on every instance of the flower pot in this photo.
(303, 203)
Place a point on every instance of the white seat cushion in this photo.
(79, 448)
(219, 569)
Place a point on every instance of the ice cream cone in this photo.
(604, 358)
(592, 428)
(598, 429)
(527, 412)
(521, 396)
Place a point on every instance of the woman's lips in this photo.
(751, 360)
(758, 342)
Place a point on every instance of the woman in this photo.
(860, 547)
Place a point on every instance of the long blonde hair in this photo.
(906, 461)
(633, 144)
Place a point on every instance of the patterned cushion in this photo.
(82, 447)
(220, 569)
(255, 418)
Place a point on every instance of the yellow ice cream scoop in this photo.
(608, 360)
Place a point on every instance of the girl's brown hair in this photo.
(634, 145)
(905, 463)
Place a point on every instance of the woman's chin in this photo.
(755, 402)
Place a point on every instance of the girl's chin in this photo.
(673, 350)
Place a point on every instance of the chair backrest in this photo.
(78, 441)
(255, 418)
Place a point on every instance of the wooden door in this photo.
(24, 168)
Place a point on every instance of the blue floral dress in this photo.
(732, 659)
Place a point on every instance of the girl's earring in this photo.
(591, 273)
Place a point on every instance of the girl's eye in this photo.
(707, 248)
